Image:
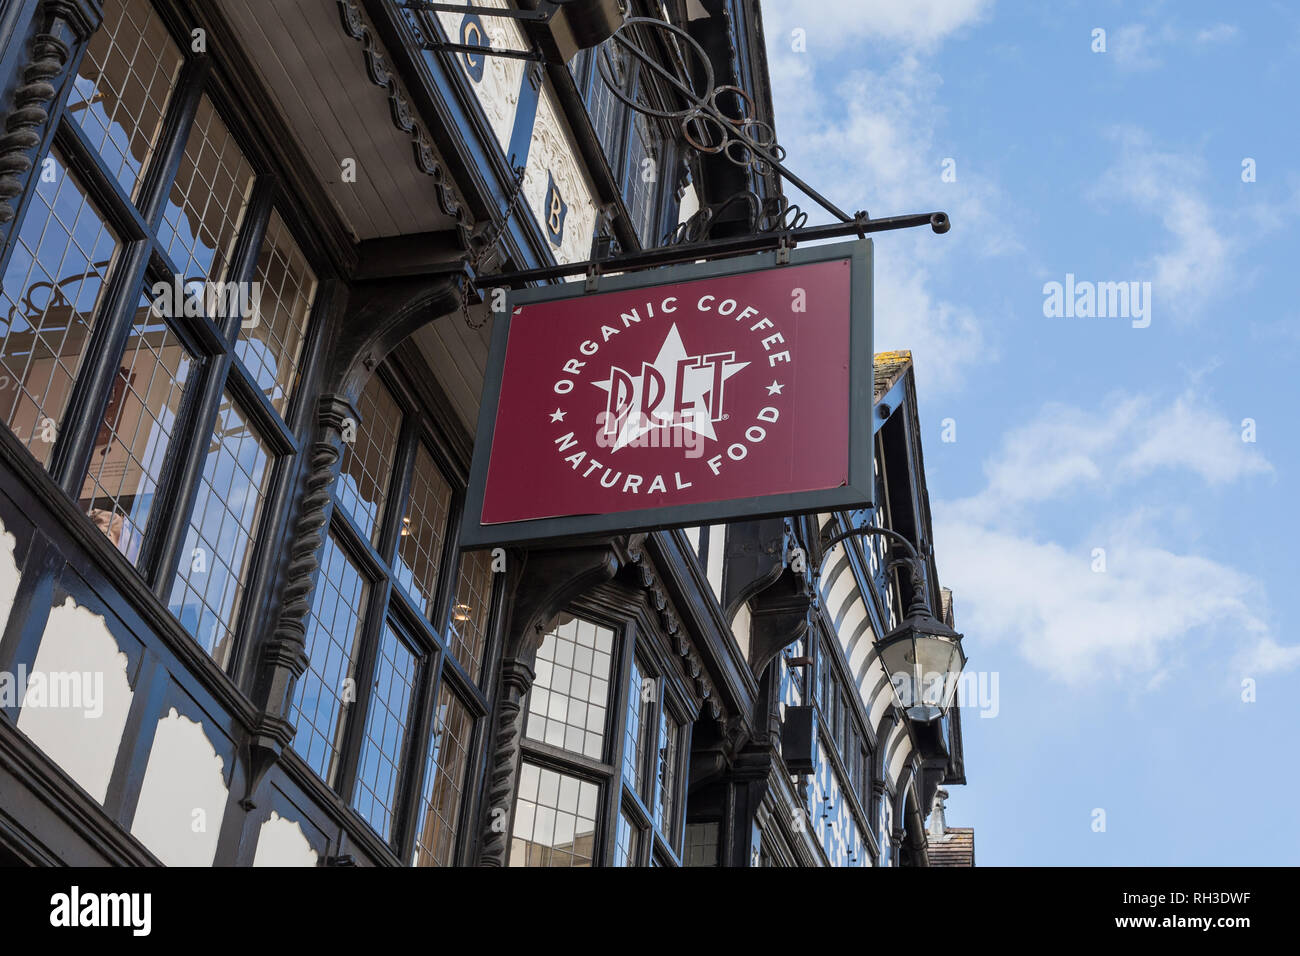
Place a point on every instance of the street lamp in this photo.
(922, 655)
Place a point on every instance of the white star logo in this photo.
(558, 416)
(698, 379)
(775, 388)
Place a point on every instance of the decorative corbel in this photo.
(768, 568)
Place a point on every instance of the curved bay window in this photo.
(605, 740)
(390, 705)
(154, 318)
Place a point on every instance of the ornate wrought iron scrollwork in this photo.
(705, 123)
(775, 214)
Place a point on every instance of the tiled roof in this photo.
(890, 366)
(955, 848)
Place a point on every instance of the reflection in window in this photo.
(207, 201)
(701, 844)
(272, 345)
(123, 86)
(471, 611)
(131, 448)
(219, 546)
(555, 819)
(444, 781)
(643, 172)
(669, 734)
(328, 686)
(636, 731)
(386, 724)
(424, 526)
(627, 842)
(566, 706)
(605, 110)
(48, 300)
(367, 468)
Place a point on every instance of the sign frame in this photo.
(858, 492)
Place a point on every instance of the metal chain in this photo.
(490, 238)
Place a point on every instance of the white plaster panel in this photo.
(498, 90)
(77, 696)
(552, 154)
(900, 757)
(183, 797)
(717, 554)
(9, 573)
(741, 628)
(281, 842)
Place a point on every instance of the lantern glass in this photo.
(924, 660)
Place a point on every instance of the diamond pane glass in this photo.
(123, 86)
(131, 447)
(48, 303)
(444, 781)
(367, 469)
(218, 549)
(270, 343)
(327, 689)
(207, 201)
(387, 720)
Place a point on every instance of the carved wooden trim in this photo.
(283, 657)
(25, 124)
(648, 579)
(404, 118)
(61, 26)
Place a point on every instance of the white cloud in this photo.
(1189, 435)
(1133, 48)
(1076, 623)
(1218, 33)
(1136, 47)
(872, 143)
(1266, 656)
(1196, 266)
(1067, 450)
(835, 23)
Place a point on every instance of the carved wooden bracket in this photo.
(781, 593)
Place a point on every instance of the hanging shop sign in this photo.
(681, 396)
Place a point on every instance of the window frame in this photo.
(636, 637)
(212, 343)
(389, 604)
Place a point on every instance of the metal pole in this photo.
(716, 249)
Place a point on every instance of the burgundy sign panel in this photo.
(673, 394)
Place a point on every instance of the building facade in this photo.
(244, 327)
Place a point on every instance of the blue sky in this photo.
(1120, 689)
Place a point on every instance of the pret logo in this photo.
(676, 399)
(678, 393)
(675, 391)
